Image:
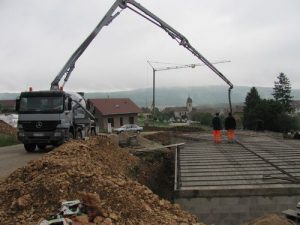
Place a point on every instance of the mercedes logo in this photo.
(39, 124)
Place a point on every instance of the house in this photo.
(296, 105)
(181, 112)
(114, 111)
(7, 105)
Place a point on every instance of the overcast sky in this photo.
(261, 38)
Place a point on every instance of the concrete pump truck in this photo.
(55, 116)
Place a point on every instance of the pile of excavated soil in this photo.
(7, 129)
(95, 166)
(175, 128)
(272, 219)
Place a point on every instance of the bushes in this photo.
(6, 140)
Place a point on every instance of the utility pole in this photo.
(154, 69)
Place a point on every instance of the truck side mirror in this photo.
(17, 105)
(69, 104)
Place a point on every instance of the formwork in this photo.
(231, 183)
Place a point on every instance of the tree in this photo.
(250, 117)
(282, 92)
(203, 118)
(271, 113)
(252, 98)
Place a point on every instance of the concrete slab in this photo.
(262, 162)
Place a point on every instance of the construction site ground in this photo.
(99, 166)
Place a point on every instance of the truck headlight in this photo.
(21, 134)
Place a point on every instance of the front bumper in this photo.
(43, 137)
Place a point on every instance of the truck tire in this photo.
(30, 147)
(41, 146)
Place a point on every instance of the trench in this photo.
(156, 168)
(156, 171)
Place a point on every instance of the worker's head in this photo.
(229, 114)
(217, 114)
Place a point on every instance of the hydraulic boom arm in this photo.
(142, 11)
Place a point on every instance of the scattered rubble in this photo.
(95, 166)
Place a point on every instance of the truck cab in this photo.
(50, 118)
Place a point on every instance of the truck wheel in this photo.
(30, 147)
(42, 146)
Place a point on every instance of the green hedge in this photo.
(6, 140)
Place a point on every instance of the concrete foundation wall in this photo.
(235, 210)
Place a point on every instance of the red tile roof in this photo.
(8, 103)
(112, 106)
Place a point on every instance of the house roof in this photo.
(8, 103)
(113, 106)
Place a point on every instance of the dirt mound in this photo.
(162, 137)
(7, 129)
(96, 166)
(272, 219)
(175, 128)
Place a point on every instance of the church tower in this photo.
(189, 104)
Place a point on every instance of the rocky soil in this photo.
(95, 166)
(100, 167)
(7, 129)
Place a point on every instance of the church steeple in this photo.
(189, 104)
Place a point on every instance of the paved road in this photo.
(13, 157)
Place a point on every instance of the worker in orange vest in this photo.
(230, 126)
(217, 126)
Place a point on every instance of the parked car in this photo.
(129, 127)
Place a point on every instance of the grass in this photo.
(6, 140)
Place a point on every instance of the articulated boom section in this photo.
(142, 11)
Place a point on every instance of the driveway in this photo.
(13, 157)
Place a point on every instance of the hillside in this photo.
(176, 96)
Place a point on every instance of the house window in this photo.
(111, 121)
(131, 120)
(121, 121)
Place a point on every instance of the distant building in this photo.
(296, 105)
(181, 113)
(189, 104)
(116, 111)
(8, 105)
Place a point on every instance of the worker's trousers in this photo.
(230, 135)
(217, 136)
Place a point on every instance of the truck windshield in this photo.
(45, 104)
